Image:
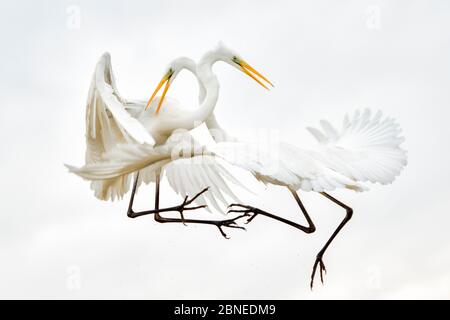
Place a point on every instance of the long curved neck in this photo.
(192, 67)
(204, 70)
(210, 86)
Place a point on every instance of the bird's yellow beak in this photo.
(165, 80)
(252, 73)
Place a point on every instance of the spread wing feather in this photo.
(284, 165)
(109, 123)
(187, 176)
(367, 148)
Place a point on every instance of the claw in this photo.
(318, 263)
(237, 227)
(246, 211)
(222, 232)
(322, 270)
(182, 218)
(197, 207)
(182, 207)
(321, 275)
(323, 266)
(239, 205)
(251, 218)
(197, 195)
(230, 223)
(238, 211)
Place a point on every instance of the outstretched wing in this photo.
(285, 165)
(107, 121)
(123, 159)
(367, 148)
(188, 176)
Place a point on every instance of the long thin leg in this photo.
(157, 210)
(133, 192)
(230, 223)
(319, 261)
(256, 211)
(157, 216)
(158, 177)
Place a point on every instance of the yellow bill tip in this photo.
(165, 79)
(253, 73)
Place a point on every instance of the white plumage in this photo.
(190, 174)
(365, 149)
(121, 135)
(123, 139)
(107, 124)
(107, 121)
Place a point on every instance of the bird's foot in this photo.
(249, 211)
(184, 205)
(230, 223)
(318, 263)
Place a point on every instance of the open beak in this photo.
(255, 75)
(164, 80)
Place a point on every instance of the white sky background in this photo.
(326, 58)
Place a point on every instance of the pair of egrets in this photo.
(128, 138)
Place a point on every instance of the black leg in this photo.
(319, 262)
(256, 211)
(180, 208)
(133, 192)
(157, 178)
(230, 223)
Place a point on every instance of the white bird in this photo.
(366, 149)
(121, 131)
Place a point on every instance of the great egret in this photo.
(113, 120)
(365, 149)
(120, 131)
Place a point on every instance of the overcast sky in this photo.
(326, 58)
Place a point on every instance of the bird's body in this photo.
(365, 149)
(117, 130)
(105, 101)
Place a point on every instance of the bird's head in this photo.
(169, 75)
(225, 54)
(220, 53)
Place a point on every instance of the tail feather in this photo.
(366, 149)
